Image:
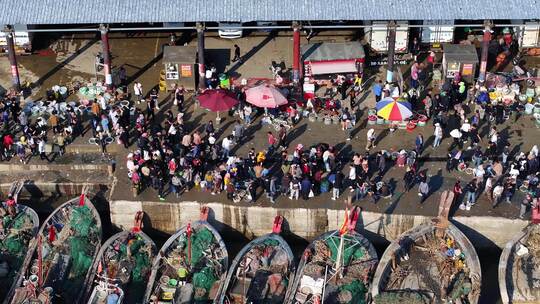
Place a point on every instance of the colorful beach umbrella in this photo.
(393, 109)
(265, 96)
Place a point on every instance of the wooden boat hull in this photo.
(30, 246)
(511, 289)
(58, 214)
(365, 243)
(471, 259)
(239, 257)
(92, 287)
(162, 254)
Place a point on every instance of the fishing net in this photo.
(80, 255)
(204, 279)
(405, 296)
(350, 250)
(82, 221)
(358, 291)
(14, 245)
(271, 242)
(142, 264)
(201, 240)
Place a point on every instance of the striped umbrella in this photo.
(394, 109)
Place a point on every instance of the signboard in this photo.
(467, 69)
(452, 69)
(186, 70)
(384, 61)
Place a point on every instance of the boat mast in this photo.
(342, 231)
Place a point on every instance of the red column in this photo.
(106, 55)
(296, 53)
(10, 41)
(484, 57)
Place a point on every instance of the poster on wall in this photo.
(186, 70)
(467, 69)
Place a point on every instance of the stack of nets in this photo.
(203, 281)
(350, 252)
(405, 296)
(84, 239)
(357, 290)
(201, 240)
(19, 233)
(140, 256)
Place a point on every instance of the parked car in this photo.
(230, 30)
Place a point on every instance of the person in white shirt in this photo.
(138, 91)
(370, 138)
(438, 135)
(226, 145)
(465, 129)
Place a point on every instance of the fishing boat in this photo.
(190, 267)
(337, 267)
(19, 225)
(59, 266)
(261, 271)
(431, 263)
(519, 268)
(122, 267)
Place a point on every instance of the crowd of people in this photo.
(173, 157)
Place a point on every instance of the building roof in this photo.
(460, 53)
(332, 51)
(133, 11)
(176, 54)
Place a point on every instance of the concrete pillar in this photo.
(296, 53)
(391, 50)
(485, 47)
(10, 41)
(200, 52)
(104, 30)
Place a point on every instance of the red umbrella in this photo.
(217, 100)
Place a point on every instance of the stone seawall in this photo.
(253, 221)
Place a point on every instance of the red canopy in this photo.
(217, 100)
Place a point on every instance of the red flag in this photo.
(52, 234)
(188, 229)
(345, 227)
(99, 268)
(81, 200)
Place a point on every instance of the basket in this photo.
(402, 125)
(371, 122)
(537, 108)
(380, 121)
(372, 112)
(327, 121)
(411, 125)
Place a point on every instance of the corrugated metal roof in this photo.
(332, 51)
(129, 11)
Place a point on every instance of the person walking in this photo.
(423, 190)
(419, 144)
(470, 189)
(338, 184)
(370, 139)
(282, 137)
(438, 133)
(238, 132)
(138, 91)
(294, 189)
(378, 90)
(237, 53)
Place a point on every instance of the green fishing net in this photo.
(358, 291)
(350, 252)
(81, 255)
(204, 279)
(82, 221)
(409, 297)
(17, 240)
(271, 242)
(201, 240)
(142, 264)
(14, 245)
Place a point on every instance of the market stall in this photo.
(323, 61)
(460, 59)
(179, 63)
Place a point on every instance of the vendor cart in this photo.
(324, 60)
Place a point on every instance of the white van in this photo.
(528, 36)
(230, 30)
